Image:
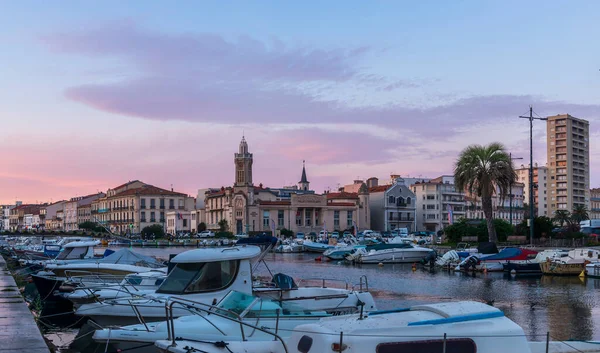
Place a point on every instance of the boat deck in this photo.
(18, 329)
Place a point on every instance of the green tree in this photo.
(201, 227)
(223, 225)
(481, 171)
(88, 226)
(542, 227)
(561, 217)
(155, 229)
(580, 213)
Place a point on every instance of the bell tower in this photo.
(303, 184)
(243, 165)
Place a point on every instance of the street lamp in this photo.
(531, 119)
(510, 195)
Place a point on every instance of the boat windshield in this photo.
(73, 253)
(249, 306)
(200, 277)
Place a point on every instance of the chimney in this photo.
(372, 182)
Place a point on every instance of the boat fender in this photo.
(414, 266)
(380, 264)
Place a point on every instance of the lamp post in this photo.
(510, 195)
(531, 119)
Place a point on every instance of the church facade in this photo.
(247, 208)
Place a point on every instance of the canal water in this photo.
(567, 307)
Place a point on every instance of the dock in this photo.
(18, 330)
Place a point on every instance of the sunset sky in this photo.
(94, 94)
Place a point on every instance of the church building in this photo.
(247, 208)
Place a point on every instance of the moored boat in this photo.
(465, 327)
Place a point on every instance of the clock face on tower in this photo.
(240, 164)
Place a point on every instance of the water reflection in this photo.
(561, 305)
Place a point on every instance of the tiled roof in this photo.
(127, 183)
(379, 188)
(342, 195)
(148, 190)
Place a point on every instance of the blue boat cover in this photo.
(505, 254)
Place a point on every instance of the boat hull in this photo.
(523, 268)
(394, 256)
(559, 269)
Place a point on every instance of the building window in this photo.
(431, 207)
(143, 217)
(391, 200)
(430, 197)
(336, 219)
(162, 216)
(280, 218)
(400, 201)
(185, 222)
(172, 204)
(152, 203)
(349, 223)
(152, 217)
(266, 219)
(162, 204)
(298, 218)
(142, 203)
(408, 200)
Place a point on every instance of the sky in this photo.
(93, 94)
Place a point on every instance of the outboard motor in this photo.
(429, 259)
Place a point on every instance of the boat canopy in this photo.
(217, 254)
(81, 244)
(128, 257)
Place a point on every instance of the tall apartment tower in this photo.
(568, 163)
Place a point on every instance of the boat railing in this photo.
(363, 284)
(82, 277)
(315, 282)
(202, 308)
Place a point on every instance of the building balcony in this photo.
(152, 207)
(143, 220)
(181, 207)
(143, 207)
(103, 210)
(153, 220)
(162, 207)
(162, 220)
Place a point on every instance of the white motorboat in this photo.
(207, 322)
(133, 285)
(312, 246)
(465, 327)
(207, 275)
(76, 261)
(401, 253)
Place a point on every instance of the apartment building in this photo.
(568, 162)
(500, 205)
(128, 208)
(392, 205)
(71, 210)
(540, 187)
(439, 203)
(48, 215)
(594, 210)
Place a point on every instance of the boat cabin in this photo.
(211, 270)
(465, 327)
(78, 250)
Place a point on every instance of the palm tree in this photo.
(484, 171)
(561, 217)
(580, 213)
